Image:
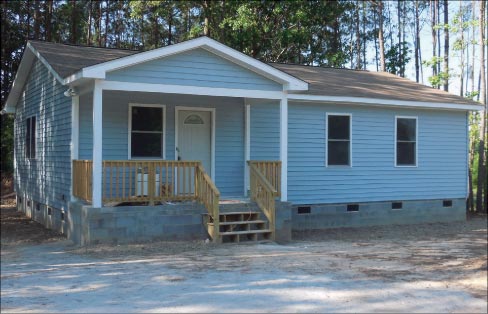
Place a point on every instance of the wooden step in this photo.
(239, 213)
(244, 232)
(227, 223)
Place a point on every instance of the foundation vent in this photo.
(396, 205)
(302, 210)
(352, 207)
(447, 203)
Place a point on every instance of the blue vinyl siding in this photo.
(442, 159)
(229, 137)
(196, 67)
(46, 179)
(265, 131)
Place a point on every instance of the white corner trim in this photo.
(99, 70)
(327, 114)
(190, 90)
(97, 145)
(247, 146)
(284, 148)
(382, 102)
(416, 142)
(129, 129)
(75, 131)
(212, 139)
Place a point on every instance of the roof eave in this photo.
(385, 102)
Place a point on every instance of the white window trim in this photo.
(416, 142)
(129, 131)
(327, 139)
(35, 138)
(212, 136)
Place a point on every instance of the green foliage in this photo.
(395, 64)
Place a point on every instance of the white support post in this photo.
(97, 145)
(284, 148)
(247, 148)
(75, 129)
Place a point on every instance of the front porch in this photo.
(175, 187)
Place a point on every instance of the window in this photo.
(338, 140)
(406, 141)
(30, 137)
(146, 134)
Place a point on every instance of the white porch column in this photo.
(247, 147)
(97, 145)
(284, 147)
(75, 131)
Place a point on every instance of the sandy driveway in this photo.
(424, 268)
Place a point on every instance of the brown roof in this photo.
(68, 59)
(360, 83)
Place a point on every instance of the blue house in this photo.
(198, 140)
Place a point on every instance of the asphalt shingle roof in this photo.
(68, 59)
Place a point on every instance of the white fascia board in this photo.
(99, 71)
(382, 102)
(189, 90)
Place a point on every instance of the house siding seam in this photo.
(46, 179)
(441, 170)
(229, 131)
(196, 67)
(265, 131)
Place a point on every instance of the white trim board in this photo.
(129, 130)
(190, 90)
(318, 99)
(212, 140)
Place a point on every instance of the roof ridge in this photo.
(319, 66)
(82, 46)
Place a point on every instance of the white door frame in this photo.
(212, 139)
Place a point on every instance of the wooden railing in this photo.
(271, 170)
(208, 194)
(82, 179)
(264, 194)
(149, 181)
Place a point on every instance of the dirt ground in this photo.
(417, 268)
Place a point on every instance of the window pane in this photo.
(338, 153)
(147, 119)
(406, 154)
(406, 129)
(27, 137)
(338, 127)
(33, 138)
(146, 145)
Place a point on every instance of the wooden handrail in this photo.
(264, 194)
(271, 169)
(208, 194)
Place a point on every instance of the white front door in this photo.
(195, 137)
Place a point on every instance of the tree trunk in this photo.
(417, 42)
(37, 18)
(358, 38)
(107, 17)
(471, 74)
(480, 203)
(380, 37)
(470, 176)
(206, 25)
(461, 77)
(434, 34)
(27, 22)
(47, 20)
(400, 51)
(89, 30)
(73, 22)
(446, 45)
(99, 24)
(438, 19)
